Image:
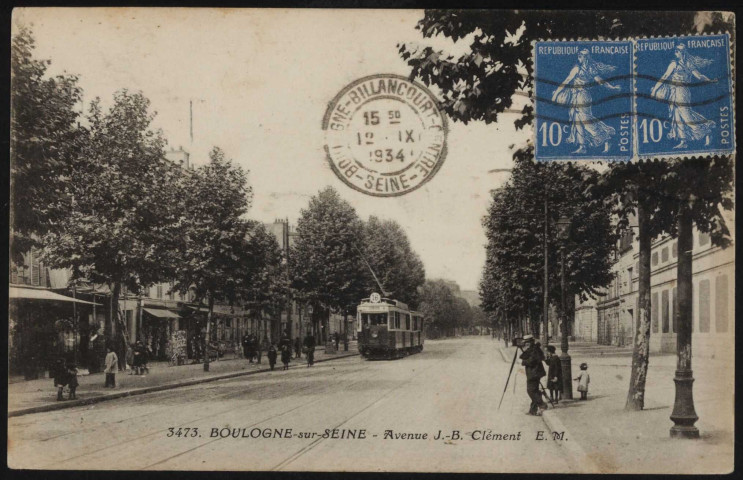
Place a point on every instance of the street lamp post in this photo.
(563, 226)
(684, 415)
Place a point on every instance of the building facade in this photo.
(614, 315)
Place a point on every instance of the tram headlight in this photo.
(374, 334)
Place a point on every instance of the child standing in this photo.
(112, 362)
(583, 380)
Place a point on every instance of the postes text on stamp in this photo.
(384, 135)
(684, 96)
(583, 100)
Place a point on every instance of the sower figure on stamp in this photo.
(532, 359)
(585, 129)
(554, 374)
(686, 124)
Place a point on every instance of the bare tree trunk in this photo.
(207, 337)
(641, 353)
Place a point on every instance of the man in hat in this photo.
(532, 358)
(554, 374)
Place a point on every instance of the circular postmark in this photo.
(384, 135)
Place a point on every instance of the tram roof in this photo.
(391, 302)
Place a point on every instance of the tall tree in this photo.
(388, 252)
(327, 269)
(514, 227)
(121, 222)
(44, 136)
(215, 257)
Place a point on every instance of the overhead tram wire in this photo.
(353, 244)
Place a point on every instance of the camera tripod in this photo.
(541, 387)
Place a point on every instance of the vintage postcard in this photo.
(318, 240)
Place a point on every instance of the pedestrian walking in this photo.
(271, 354)
(60, 377)
(139, 358)
(146, 353)
(298, 347)
(337, 338)
(112, 361)
(583, 380)
(130, 358)
(554, 374)
(245, 344)
(286, 354)
(309, 344)
(532, 358)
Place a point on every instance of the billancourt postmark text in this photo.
(384, 135)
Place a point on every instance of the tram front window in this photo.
(369, 319)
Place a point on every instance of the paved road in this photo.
(454, 385)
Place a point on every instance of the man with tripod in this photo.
(532, 359)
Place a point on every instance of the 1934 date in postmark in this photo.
(384, 135)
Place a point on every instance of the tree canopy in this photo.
(400, 270)
(122, 214)
(44, 138)
(214, 260)
(514, 226)
(326, 267)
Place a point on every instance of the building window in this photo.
(655, 259)
(664, 303)
(637, 268)
(159, 291)
(721, 304)
(654, 312)
(407, 321)
(674, 322)
(703, 239)
(704, 306)
(675, 249)
(664, 255)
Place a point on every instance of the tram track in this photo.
(307, 388)
(255, 424)
(303, 451)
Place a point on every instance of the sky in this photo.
(260, 82)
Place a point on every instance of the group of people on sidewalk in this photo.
(532, 358)
(65, 372)
(253, 349)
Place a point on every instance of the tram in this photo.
(388, 328)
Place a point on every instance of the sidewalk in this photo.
(40, 395)
(603, 437)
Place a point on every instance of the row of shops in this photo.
(46, 324)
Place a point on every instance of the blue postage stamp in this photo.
(684, 95)
(583, 100)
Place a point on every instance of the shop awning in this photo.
(160, 313)
(41, 294)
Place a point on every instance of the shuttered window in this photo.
(664, 306)
(704, 306)
(721, 304)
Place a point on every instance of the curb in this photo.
(141, 391)
(573, 448)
